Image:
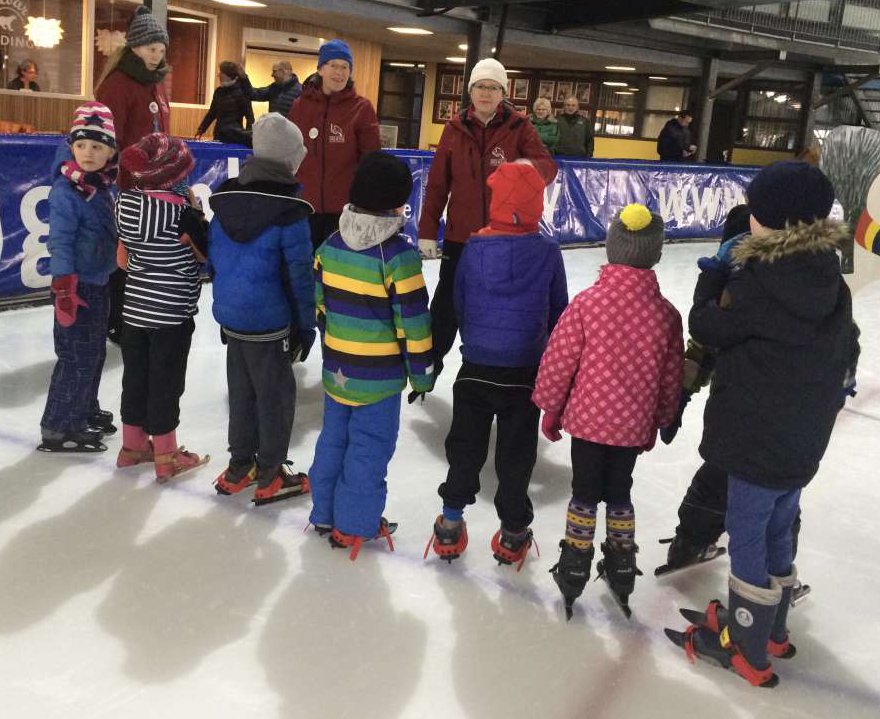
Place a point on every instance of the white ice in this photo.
(120, 598)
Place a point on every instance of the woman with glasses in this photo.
(486, 134)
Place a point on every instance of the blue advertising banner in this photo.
(692, 199)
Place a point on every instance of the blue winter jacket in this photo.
(260, 248)
(82, 232)
(509, 292)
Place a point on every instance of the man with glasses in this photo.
(281, 93)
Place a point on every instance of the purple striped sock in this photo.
(580, 524)
(620, 524)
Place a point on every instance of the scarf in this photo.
(88, 183)
(134, 67)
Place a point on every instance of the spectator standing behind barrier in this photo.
(26, 78)
(281, 93)
(674, 141)
(545, 124)
(575, 133)
(230, 108)
(132, 86)
(339, 127)
(488, 133)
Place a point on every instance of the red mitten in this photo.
(551, 426)
(66, 299)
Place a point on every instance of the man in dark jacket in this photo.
(281, 93)
(674, 141)
(786, 342)
(575, 133)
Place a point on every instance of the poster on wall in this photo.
(546, 90)
(521, 89)
(582, 92)
(563, 90)
(447, 84)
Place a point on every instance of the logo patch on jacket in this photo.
(336, 133)
(497, 157)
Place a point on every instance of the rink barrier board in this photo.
(692, 199)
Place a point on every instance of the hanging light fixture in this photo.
(43, 31)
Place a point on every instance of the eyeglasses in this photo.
(488, 88)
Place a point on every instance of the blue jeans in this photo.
(759, 522)
(351, 461)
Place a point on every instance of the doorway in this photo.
(258, 64)
(723, 131)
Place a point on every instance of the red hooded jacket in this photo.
(135, 107)
(468, 153)
(338, 130)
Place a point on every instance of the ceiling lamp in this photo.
(241, 3)
(410, 30)
(611, 83)
(622, 68)
(43, 31)
(657, 77)
(457, 59)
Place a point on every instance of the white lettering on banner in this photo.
(671, 204)
(233, 167)
(34, 245)
(203, 194)
(551, 195)
(703, 203)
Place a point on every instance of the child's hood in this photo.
(509, 264)
(245, 211)
(62, 155)
(361, 231)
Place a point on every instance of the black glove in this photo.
(667, 433)
(300, 344)
(414, 395)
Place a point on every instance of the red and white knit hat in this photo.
(93, 121)
(157, 162)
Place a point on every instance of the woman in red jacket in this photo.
(339, 127)
(474, 144)
(132, 87)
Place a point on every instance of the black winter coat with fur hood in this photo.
(786, 338)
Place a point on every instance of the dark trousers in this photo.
(444, 324)
(322, 225)
(601, 473)
(154, 375)
(479, 395)
(116, 300)
(81, 350)
(262, 395)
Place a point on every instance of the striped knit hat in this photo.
(145, 30)
(93, 121)
(157, 162)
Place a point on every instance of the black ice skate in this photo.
(284, 484)
(101, 421)
(571, 573)
(683, 554)
(618, 569)
(83, 441)
(449, 542)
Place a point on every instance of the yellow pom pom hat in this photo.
(635, 237)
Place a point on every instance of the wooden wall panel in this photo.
(46, 114)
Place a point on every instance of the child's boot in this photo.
(618, 568)
(102, 421)
(171, 460)
(354, 542)
(512, 547)
(449, 539)
(136, 447)
(572, 572)
(779, 646)
(236, 477)
(280, 482)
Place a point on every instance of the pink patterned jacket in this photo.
(613, 367)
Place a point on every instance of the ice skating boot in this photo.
(279, 483)
(449, 542)
(512, 547)
(172, 461)
(618, 568)
(85, 440)
(684, 552)
(237, 477)
(136, 447)
(572, 572)
(101, 421)
(779, 646)
(354, 542)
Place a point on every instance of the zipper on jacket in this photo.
(324, 151)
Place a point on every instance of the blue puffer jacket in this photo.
(260, 248)
(509, 292)
(82, 233)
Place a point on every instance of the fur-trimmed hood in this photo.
(817, 237)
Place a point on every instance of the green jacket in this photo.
(548, 131)
(575, 136)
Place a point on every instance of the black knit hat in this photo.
(789, 192)
(145, 30)
(382, 182)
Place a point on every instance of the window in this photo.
(400, 104)
(59, 69)
(616, 109)
(772, 119)
(663, 102)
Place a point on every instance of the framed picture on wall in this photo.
(563, 90)
(546, 89)
(582, 91)
(445, 110)
(459, 84)
(508, 91)
(521, 109)
(520, 89)
(447, 84)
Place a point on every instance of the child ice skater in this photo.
(510, 290)
(786, 343)
(376, 333)
(611, 377)
(264, 299)
(82, 254)
(160, 230)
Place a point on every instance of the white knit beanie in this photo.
(488, 69)
(277, 138)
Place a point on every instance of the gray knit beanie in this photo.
(145, 30)
(277, 138)
(635, 237)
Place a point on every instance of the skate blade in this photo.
(182, 473)
(76, 449)
(799, 595)
(280, 497)
(669, 569)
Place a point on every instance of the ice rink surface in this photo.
(120, 598)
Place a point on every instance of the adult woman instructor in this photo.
(486, 134)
